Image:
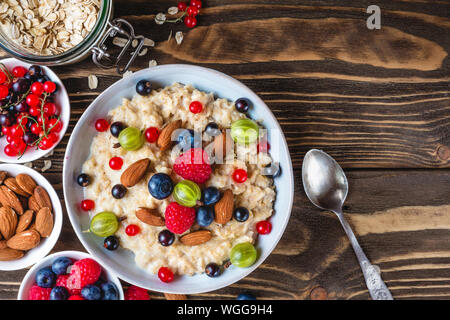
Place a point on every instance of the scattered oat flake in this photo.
(143, 52)
(47, 165)
(134, 43)
(149, 42)
(93, 81)
(172, 10)
(179, 37)
(127, 74)
(120, 42)
(152, 63)
(170, 35)
(160, 18)
(28, 164)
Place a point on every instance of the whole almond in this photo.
(10, 199)
(14, 186)
(3, 175)
(174, 296)
(44, 222)
(3, 244)
(222, 145)
(9, 254)
(165, 138)
(195, 238)
(8, 222)
(26, 183)
(150, 217)
(134, 173)
(42, 198)
(25, 240)
(224, 208)
(25, 221)
(32, 204)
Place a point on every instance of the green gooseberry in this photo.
(131, 139)
(244, 131)
(104, 224)
(243, 255)
(186, 193)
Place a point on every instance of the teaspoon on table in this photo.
(326, 186)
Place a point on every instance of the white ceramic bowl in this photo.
(122, 261)
(29, 279)
(46, 244)
(61, 101)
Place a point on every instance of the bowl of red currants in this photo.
(35, 111)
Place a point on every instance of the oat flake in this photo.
(152, 63)
(93, 82)
(179, 37)
(160, 18)
(172, 10)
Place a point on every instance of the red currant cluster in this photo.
(28, 115)
(190, 12)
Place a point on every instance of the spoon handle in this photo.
(377, 288)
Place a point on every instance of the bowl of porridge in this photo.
(182, 177)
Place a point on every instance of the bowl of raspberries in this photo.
(70, 275)
(34, 111)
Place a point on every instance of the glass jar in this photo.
(93, 44)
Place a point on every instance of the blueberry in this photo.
(212, 129)
(160, 186)
(187, 139)
(166, 238)
(144, 87)
(205, 216)
(45, 278)
(83, 180)
(110, 291)
(241, 214)
(246, 296)
(111, 243)
(213, 270)
(242, 104)
(60, 265)
(59, 293)
(119, 191)
(211, 195)
(116, 128)
(91, 292)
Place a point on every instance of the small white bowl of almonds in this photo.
(30, 217)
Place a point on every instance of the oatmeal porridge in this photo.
(240, 182)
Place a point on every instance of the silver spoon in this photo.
(326, 186)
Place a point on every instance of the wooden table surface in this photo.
(376, 100)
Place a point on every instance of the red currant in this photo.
(37, 88)
(192, 11)
(165, 274)
(16, 131)
(4, 91)
(18, 145)
(46, 143)
(101, 125)
(19, 71)
(132, 230)
(264, 227)
(190, 22)
(116, 163)
(3, 77)
(151, 134)
(182, 6)
(263, 146)
(196, 3)
(33, 100)
(196, 107)
(49, 86)
(9, 139)
(240, 175)
(10, 151)
(53, 137)
(6, 131)
(36, 129)
(55, 125)
(42, 119)
(49, 109)
(35, 111)
(87, 205)
(22, 119)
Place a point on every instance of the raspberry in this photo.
(136, 293)
(193, 165)
(179, 218)
(76, 297)
(61, 281)
(84, 272)
(38, 293)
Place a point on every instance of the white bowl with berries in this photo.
(70, 275)
(35, 111)
(155, 218)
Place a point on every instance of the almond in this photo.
(196, 237)
(9, 254)
(32, 204)
(224, 208)
(174, 296)
(134, 173)
(3, 175)
(150, 217)
(26, 183)
(9, 198)
(165, 138)
(42, 198)
(3, 244)
(44, 222)
(14, 186)
(25, 240)
(8, 222)
(25, 221)
(223, 144)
